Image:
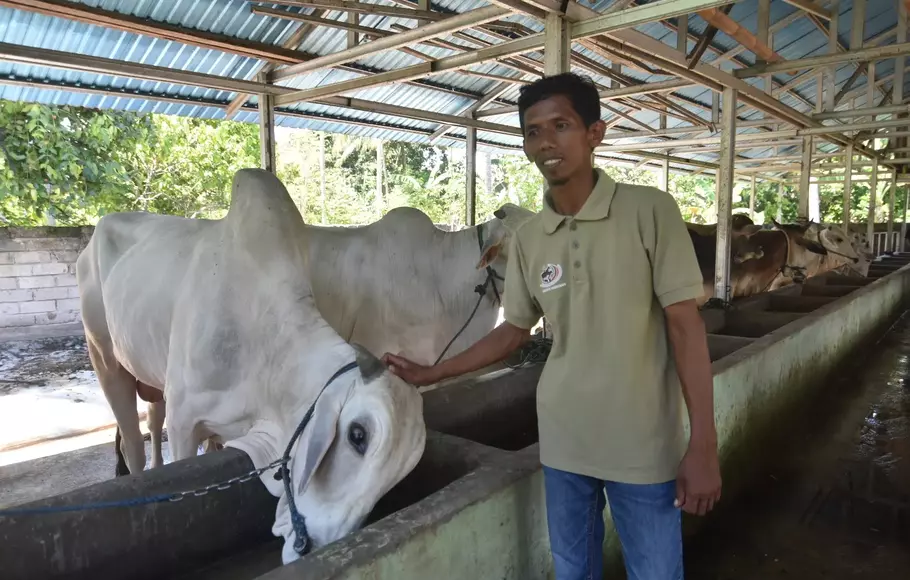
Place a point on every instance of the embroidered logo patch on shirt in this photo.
(550, 277)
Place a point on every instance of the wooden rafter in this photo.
(719, 19)
(811, 7)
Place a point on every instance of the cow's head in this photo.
(835, 241)
(744, 248)
(367, 433)
(498, 232)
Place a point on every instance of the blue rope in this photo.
(298, 522)
(88, 506)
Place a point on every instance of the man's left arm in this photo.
(677, 283)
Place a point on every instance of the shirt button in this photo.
(575, 244)
(577, 264)
(573, 226)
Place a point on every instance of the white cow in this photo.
(220, 316)
(402, 285)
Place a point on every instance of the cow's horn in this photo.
(370, 366)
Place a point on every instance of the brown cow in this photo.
(787, 256)
(742, 249)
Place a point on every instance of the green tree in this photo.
(185, 166)
(68, 162)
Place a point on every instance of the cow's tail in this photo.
(121, 468)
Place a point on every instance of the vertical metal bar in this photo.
(897, 97)
(831, 85)
(322, 175)
(873, 186)
(266, 129)
(353, 36)
(617, 68)
(848, 185)
(819, 91)
(663, 181)
(715, 108)
(557, 48)
(804, 175)
(488, 181)
(904, 218)
(752, 199)
(857, 27)
(682, 33)
(380, 169)
(725, 179)
(890, 246)
(471, 177)
(764, 36)
(780, 202)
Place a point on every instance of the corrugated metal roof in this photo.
(449, 93)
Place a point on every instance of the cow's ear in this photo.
(317, 438)
(491, 249)
(813, 247)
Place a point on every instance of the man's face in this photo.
(557, 141)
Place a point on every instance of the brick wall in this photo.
(38, 279)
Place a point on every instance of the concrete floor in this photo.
(835, 504)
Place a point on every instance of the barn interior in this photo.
(792, 92)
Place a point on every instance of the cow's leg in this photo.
(182, 439)
(119, 388)
(156, 412)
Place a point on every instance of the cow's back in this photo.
(389, 285)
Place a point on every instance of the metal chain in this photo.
(228, 483)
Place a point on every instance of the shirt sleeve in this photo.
(674, 267)
(519, 307)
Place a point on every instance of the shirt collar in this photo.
(597, 206)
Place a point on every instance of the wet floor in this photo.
(834, 502)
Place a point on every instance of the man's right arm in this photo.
(494, 347)
(521, 313)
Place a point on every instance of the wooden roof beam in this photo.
(719, 19)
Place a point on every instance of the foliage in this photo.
(79, 164)
(69, 162)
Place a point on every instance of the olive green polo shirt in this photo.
(609, 401)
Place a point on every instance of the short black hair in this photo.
(580, 90)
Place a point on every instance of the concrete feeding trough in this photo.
(474, 505)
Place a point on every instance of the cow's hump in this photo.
(260, 204)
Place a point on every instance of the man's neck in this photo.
(570, 197)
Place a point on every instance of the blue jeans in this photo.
(649, 527)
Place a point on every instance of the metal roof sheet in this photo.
(798, 39)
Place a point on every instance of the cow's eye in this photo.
(357, 437)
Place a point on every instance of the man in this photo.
(612, 268)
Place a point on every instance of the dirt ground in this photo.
(37, 363)
(835, 502)
(49, 398)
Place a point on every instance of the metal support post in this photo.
(848, 185)
(471, 177)
(889, 246)
(873, 186)
(804, 175)
(558, 47)
(903, 245)
(752, 200)
(267, 129)
(663, 176)
(725, 180)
